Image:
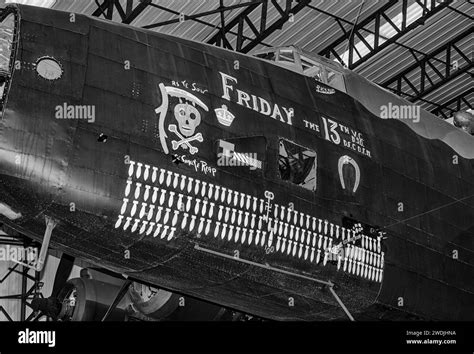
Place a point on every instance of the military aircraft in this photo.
(281, 184)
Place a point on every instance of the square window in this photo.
(297, 164)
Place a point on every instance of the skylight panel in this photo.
(387, 31)
(38, 3)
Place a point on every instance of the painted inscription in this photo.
(325, 90)
(345, 136)
(254, 102)
(198, 165)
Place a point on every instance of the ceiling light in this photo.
(386, 31)
(38, 3)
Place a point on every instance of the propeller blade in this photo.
(62, 273)
(123, 290)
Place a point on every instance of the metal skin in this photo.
(58, 168)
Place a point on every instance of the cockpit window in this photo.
(297, 164)
(316, 72)
(306, 62)
(326, 75)
(267, 56)
(286, 55)
(335, 80)
(312, 66)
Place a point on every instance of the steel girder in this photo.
(183, 17)
(426, 83)
(460, 102)
(375, 20)
(260, 30)
(234, 28)
(107, 7)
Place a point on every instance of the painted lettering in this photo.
(227, 88)
(254, 102)
(243, 96)
(265, 107)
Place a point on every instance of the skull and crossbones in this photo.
(186, 114)
(188, 118)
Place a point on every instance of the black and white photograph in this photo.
(236, 175)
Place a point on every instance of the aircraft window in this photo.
(286, 55)
(316, 72)
(268, 56)
(335, 80)
(297, 164)
(306, 64)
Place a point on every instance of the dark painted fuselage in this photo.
(155, 200)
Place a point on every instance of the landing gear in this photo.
(39, 264)
(50, 225)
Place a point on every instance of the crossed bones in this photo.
(186, 141)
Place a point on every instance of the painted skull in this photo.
(188, 118)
